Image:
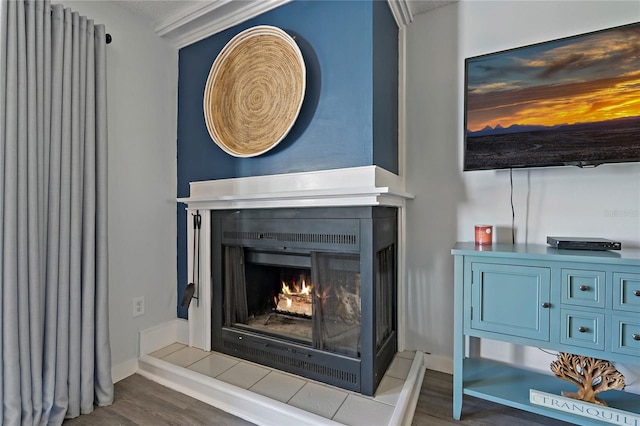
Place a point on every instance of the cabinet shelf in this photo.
(508, 385)
(573, 301)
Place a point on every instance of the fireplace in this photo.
(311, 291)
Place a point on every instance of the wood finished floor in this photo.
(139, 401)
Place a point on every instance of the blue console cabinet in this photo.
(581, 302)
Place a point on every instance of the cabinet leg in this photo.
(457, 409)
(457, 400)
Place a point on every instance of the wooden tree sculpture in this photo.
(591, 375)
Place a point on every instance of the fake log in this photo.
(295, 304)
(590, 375)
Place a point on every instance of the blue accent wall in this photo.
(349, 113)
(385, 88)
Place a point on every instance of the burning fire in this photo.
(295, 298)
(303, 289)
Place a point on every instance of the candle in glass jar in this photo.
(484, 234)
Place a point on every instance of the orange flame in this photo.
(295, 289)
(305, 289)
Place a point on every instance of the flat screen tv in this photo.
(573, 101)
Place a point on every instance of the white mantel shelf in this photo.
(354, 186)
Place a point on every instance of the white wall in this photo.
(142, 114)
(600, 202)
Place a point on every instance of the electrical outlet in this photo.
(138, 306)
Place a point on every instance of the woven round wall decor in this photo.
(254, 91)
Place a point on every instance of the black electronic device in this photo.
(580, 243)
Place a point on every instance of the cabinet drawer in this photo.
(583, 288)
(511, 300)
(626, 335)
(626, 292)
(585, 329)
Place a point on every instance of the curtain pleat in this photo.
(3, 132)
(54, 345)
(10, 322)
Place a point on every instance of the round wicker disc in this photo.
(254, 91)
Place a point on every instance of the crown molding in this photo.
(208, 18)
(401, 12)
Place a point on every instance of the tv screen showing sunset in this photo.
(570, 101)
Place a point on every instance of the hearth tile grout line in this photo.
(218, 393)
(400, 408)
(271, 370)
(169, 353)
(339, 407)
(306, 380)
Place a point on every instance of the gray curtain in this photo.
(54, 341)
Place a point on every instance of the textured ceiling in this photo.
(421, 6)
(156, 11)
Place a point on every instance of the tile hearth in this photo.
(310, 402)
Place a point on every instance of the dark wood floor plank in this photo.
(141, 402)
(138, 384)
(435, 407)
(101, 416)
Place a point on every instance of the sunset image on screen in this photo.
(593, 78)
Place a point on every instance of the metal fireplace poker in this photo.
(192, 291)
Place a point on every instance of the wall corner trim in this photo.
(401, 12)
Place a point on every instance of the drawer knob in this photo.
(636, 292)
(546, 305)
(584, 287)
(636, 336)
(583, 329)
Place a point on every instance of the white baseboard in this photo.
(162, 335)
(124, 370)
(440, 363)
(152, 339)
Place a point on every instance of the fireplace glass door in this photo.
(307, 298)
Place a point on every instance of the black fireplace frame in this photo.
(362, 230)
